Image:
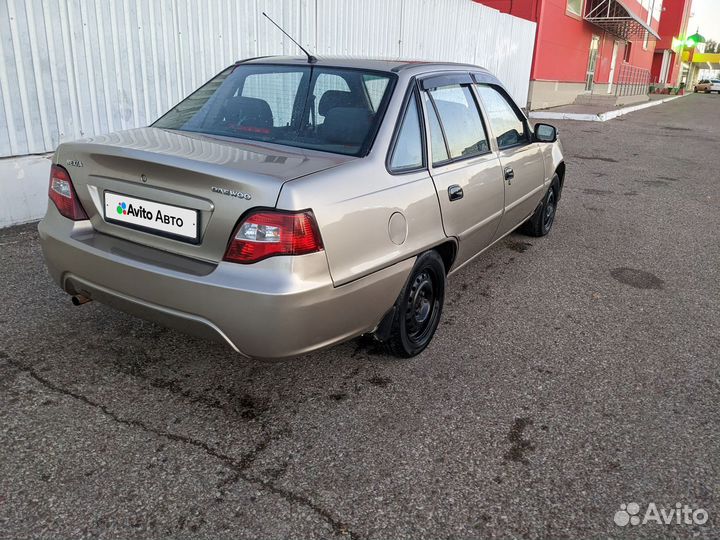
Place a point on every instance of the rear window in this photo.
(321, 108)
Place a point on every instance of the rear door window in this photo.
(437, 140)
(461, 122)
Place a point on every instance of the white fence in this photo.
(75, 68)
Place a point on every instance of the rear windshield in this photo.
(330, 109)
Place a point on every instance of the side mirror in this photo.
(545, 133)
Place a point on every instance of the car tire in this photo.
(543, 218)
(417, 311)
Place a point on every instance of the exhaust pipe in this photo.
(79, 299)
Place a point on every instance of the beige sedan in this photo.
(708, 86)
(288, 205)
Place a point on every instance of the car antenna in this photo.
(311, 58)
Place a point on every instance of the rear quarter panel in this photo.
(353, 205)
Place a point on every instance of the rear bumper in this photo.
(279, 307)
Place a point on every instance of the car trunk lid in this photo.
(215, 179)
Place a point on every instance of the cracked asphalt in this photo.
(570, 375)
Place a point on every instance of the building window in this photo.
(628, 51)
(575, 7)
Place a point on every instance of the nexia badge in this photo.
(232, 193)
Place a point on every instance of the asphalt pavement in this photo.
(570, 375)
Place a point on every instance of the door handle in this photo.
(509, 174)
(455, 192)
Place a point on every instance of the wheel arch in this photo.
(560, 171)
(448, 252)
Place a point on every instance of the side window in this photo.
(437, 141)
(507, 124)
(461, 121)
(407, 153)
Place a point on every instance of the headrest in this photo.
(247, 111)
(346, 125)
(338, 98)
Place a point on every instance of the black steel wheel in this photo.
(418, 308)
(542, 220)
(548, 211)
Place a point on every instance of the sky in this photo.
(706, 15)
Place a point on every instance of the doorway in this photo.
(613, 62)
(592, 63)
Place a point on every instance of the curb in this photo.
(602, 117)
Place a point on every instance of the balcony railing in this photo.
(632, 81)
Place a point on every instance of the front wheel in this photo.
(542, 220)
(417, 311)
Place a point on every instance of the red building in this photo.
(667, 66)
(599, 50)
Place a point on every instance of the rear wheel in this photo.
(417, 311)
(542, 220)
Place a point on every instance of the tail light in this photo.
(62, 193)
(268, 233)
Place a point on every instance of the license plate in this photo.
(151, 216)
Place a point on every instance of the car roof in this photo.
(377, 64)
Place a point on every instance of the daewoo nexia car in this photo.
(708, 86)
(286, 206)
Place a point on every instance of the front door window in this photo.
(592, 63)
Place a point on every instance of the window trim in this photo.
(410, 93)
(518, 112)
(437, 80)
(479, 109)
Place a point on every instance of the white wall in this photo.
(75, 68)
(23, 189)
